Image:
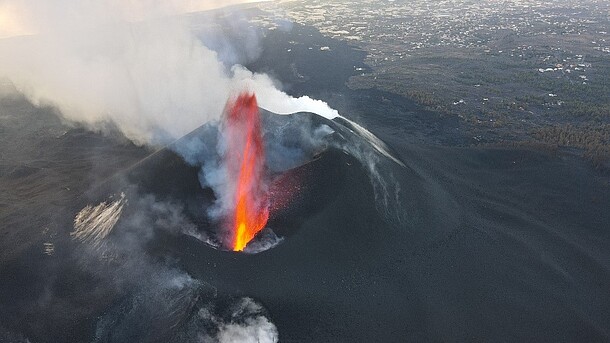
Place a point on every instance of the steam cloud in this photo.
(135, 64)
(244, 321)
(140, 66)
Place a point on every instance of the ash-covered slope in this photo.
(174, 174)
(458, 244)
(476, 258)
(464, 244)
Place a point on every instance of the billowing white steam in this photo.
(276, 101)
(246, 324)
(253, 328)
(135, 64)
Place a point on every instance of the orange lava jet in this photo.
(245, 159)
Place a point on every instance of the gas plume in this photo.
(138, 66)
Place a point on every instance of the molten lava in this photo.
(245, 158)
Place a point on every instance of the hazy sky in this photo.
(22, 17)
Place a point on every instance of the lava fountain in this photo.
(245, 160)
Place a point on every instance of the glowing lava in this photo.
(245, 158)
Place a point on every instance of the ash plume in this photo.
(244, 321)
(141, 67)
(134, 64)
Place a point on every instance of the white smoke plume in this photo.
(245, 321)
(136, 64)
(253, 326)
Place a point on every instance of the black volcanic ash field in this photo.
(477, 245)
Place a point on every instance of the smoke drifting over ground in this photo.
(154, 299)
